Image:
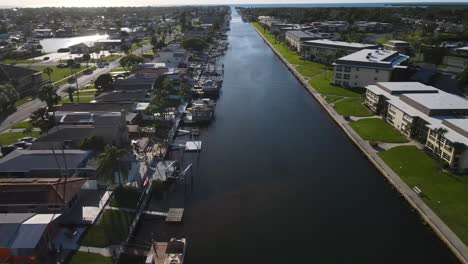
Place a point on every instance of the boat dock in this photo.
(175, 215)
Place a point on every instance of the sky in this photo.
(93, 3)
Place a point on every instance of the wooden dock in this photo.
(175, 215)
(159, 252)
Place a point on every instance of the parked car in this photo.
(88, 71)
(61, 65)
(22, 144)
(46, 58)
(27, 139)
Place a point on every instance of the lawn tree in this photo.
(125, 48)
(8, 98)
(440, 132)
(41, 119)
(111, 162)
(49, 72)
(86, 57)
(48, 94)
(104, 82)
(70, 90)
(194, 44)
(131, 62)
(434, 55)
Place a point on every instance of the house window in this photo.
(346, 76)
(347, 69)
(430, 145)
(375, 78)
(339, 68)
(346, 83)
(376, 71)
(446, 157)
(338, 75)
(357, 69)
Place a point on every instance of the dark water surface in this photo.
(278, 182)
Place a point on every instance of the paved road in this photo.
(25, 110)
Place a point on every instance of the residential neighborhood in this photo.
(151, 134)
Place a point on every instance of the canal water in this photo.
(278, 182)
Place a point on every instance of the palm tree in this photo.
(110, 162)
(48, 71)
(70, 90)
(440, 132)
(48, 94)
(86, 57)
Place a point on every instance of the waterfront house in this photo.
(38, 195)
(75, 127)
(82, 48)
(173, 56)
(368, 66)
(108, 44)
(45, 163)
(327, 51)
(26, 237)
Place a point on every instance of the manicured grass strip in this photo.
(23, 100)
(110, 58)
(352, 107)
(446, 194)
(325, 86)
(290, 55)
(89, 258)
(23, 124)
(83, 99)
(375, 129)
(14, 61)
(111, 230)
(332, 98)
(308, 71)
(11, 137)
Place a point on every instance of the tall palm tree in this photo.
(48, 94)
(111, 162)
(70, 90)
(48, 71)
(440, 132)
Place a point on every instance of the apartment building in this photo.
(419, 111)
(326, 51)
(367, 67)
(296, 37)
(400, 46)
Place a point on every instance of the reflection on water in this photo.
(53, 44)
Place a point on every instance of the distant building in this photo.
(374, 27)
(108, 44)
(26, 81)
(173, 56)
(400, 46)
(326, 51)
(82, 48)
(331, 26)
(367, 66)
(296, 37)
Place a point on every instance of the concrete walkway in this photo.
(106, 252)
(459, 249)
(387, 146)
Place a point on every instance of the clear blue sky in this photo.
(40, 3)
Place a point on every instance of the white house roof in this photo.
(374, 58)
(401, 87)
(440, 100)
(333, 43)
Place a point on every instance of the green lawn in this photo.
(11, 137)
(13, 61)
(332, 98)
(125, 197)
(111, 229)
(352, 107)
(307, 68)
(57, 73)
(23, 124)
(446, 194)
(375, 129)
(83, 99)
(325, 86)
(110, 58)
(89, 258)
(85, 93)
(23, 100)
(119, 69)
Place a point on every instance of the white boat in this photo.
(175, 251)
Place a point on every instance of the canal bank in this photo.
(457, 247)
(277, 182)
